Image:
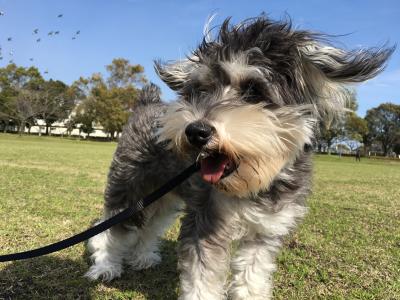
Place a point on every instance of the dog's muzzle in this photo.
(215, 165)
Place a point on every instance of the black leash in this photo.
(122, 216)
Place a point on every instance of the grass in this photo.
(348, 247)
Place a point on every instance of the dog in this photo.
(249, 103)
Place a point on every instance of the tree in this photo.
(357, 131)
(110, 98)
(384, 125)
(19, 95)
(123, 74)
(328, 133)
(57, 101)
(396, 147)
(70, 124)
(334, 130)
(25, 108)
(112, 112)
(85, 115)
(13, 78)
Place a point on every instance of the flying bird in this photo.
(78, 32)
(38, 40)
(1, 57)
(59, 16)
(9, 39)
(46, 72)
(31, 59)
(1, 13)
(36, 31)
(50, 33)
(10, 61)
(74, 38)
(57, 32)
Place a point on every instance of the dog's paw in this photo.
(104, 272)
(246, 292)
(144, 260)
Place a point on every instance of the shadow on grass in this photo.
(53, 277)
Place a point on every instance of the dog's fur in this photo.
(261, 87)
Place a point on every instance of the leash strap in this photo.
(118, 218)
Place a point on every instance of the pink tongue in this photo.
(212, 168)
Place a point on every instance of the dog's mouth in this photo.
(216, 166)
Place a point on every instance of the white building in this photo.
(58, 128)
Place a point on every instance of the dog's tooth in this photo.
(202, 155)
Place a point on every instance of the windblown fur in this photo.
(249, 103)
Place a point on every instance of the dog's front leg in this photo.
(252, 268)
(203, 258)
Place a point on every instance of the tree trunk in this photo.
(21, 128)
(47, 129)
(385, 149)
(6, 123)
(329, 144)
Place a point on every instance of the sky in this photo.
(144, 30)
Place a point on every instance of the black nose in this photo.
(199, 133)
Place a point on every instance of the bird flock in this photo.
(39, 35)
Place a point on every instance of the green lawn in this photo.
(347, 248)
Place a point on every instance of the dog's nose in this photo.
(199, 133)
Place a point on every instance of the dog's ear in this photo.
(328, 69)
(343, 66)
(175, 74)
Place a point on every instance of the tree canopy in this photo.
(384, 125)
(109, 100)
(19, 95)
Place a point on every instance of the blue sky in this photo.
(144, 30)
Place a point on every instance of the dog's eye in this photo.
(251, 91)
(193, 88)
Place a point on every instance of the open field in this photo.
(347, 248)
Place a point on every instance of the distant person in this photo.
(358, 155)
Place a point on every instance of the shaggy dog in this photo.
(249, 103)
